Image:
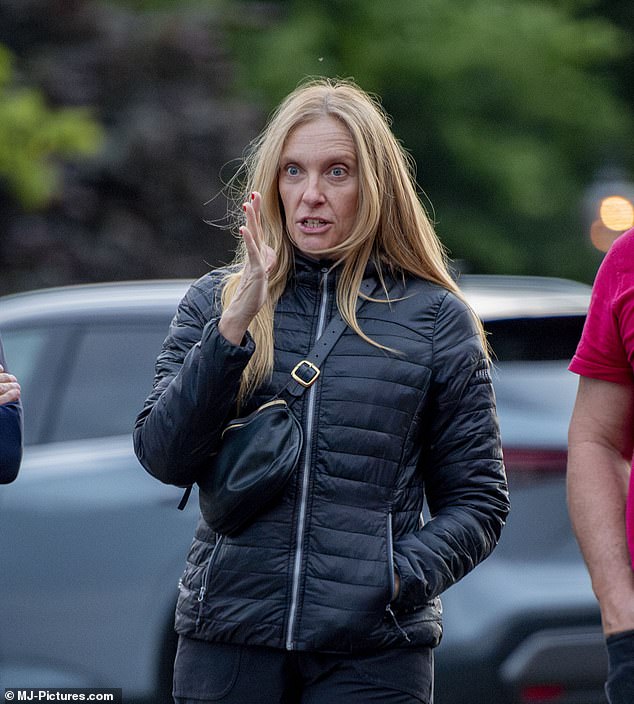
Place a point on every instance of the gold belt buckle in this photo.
(312, 367)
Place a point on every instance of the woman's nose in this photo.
(313, 192)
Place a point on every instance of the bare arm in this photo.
(599, 459)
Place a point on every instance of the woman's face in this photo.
(319, 184)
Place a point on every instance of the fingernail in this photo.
(244, 207)
(253, 196)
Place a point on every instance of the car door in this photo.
(91, 546)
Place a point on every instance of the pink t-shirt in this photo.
(606, 348)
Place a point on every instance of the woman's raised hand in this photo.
(254, 283)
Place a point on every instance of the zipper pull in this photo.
(388, 608)
(201, 596)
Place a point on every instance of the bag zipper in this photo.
(301, 521)
(239, 422)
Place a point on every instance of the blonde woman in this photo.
(332, 592)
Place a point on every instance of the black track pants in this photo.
(242, 674)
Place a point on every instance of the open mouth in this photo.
(313, 223)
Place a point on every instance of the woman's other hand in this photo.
(9, 387)
(253, 288)
(397, 584)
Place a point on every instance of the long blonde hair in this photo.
(392, 226)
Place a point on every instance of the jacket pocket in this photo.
(390, 557)
(389, 612)
(206, 577)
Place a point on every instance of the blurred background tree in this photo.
(32, 136)
(511, 109)
(160, 82)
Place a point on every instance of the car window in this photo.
(28, 353)
(537, 339)
(23, 349)
(109, 379)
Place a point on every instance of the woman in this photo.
(10, 424)
(332, 593)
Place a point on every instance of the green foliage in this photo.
(33, 138)
(143, 5)
(508, 107)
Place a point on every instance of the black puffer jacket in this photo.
(316, 571)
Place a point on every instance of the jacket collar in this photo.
(308, 270)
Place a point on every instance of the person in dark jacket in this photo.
(332, 593)
(10, 423)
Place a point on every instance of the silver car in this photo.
(91, 547)
(524, 627)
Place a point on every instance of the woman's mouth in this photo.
(313, 224)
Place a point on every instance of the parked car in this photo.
(91, 547)
(524, 627)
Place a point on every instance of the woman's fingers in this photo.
(256, 204)
(269, 258)
(257, 252)
(252, 213)
(252, 290)
(254, 258)
(9, 388)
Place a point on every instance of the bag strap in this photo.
(305, 373)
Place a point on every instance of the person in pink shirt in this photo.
(600, 448)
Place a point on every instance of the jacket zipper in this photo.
(390, 559)
(205, 581)
(301, 521)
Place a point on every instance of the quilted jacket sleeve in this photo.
(462, 467)
(195, 387)
(10, 436)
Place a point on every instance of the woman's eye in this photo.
(338, 171)
(292, 170)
